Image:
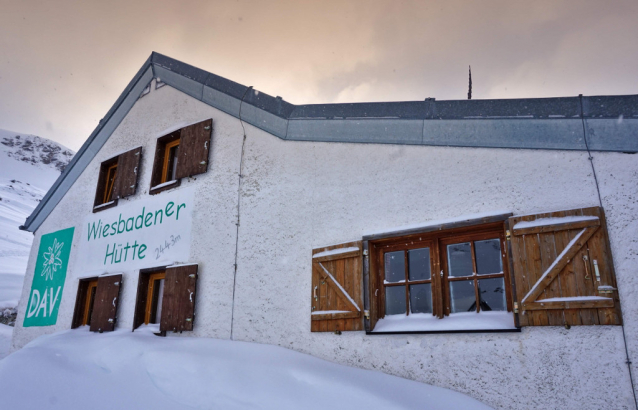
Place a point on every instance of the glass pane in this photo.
(421, 298)
(459, 256)
(488, 256)
(160, 298)
(492, 294)
(419, 264)
(395, 300)
(462, 297)
(394, 266)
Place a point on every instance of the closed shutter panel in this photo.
(193, 149)
(107, 297)
(563, 269)
(337, 282)
(127, 172)
(178, 301)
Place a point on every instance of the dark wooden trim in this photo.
(468, 223)
(584, 304)
(333, 316)
(102, 208)
(328, 258)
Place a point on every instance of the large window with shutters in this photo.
(182, 153)
(117, 179)
(166, 298)
(493, 273)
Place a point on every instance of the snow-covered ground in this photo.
(28, 167)
(5, 341)
(77, 369)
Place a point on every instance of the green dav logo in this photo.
(48, 279)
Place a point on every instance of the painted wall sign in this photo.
(153, 231)
(48, 279)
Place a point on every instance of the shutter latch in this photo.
(515, 307)
(508, 236)
(366, 314)
(365, 252)
(596, 271)
(190, 319)
(110, 320)
(192, 275)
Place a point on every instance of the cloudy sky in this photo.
(63, 63)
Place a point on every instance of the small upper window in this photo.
(182, 153)
(117, 179)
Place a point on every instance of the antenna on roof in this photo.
(469, 90)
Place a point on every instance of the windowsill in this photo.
(107, 205)
(467, 322)
(165, 186)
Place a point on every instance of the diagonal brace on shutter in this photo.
(559, 264)
(327, 276)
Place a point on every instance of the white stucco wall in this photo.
(300, 195)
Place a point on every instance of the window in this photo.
(443, 275)
(182, 153)
(96, 303)
(85, 302)
(117, 179)
(153, 309)
(156, 287)
(106, 182)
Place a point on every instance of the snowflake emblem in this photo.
(52, 260)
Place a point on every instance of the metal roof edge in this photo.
(416, 122)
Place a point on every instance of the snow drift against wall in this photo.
(124, 370)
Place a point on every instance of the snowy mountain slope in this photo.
(28, 167)
(77, 369)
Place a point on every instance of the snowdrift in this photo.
(76, 369)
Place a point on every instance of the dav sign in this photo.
(48, 279)
(153, 231)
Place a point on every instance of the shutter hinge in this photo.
(515, 307)
(116, 284)
(508, 236)
(192, 275)
(366, 314)
(202, 163)
(110, 320)
(606, 289)
(190, 319)
(207, 127)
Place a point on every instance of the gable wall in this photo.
(300, 195)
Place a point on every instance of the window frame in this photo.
(144, 298)
(437, 236)
(152, 299)
(103, 198)
(84, 302)
(160, 163)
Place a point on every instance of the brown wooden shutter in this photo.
(127, 172)
(563, 270)
(194, 146)
(107, 296)
(337, 282)
(178, 300)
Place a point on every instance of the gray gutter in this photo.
(535, 123)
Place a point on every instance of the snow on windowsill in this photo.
(150, 328)
(335, 252)
(425, 322)
(329, 312)
(167, 183)
(104, 205)
(428, 224)
(554, 221)
(573, 299)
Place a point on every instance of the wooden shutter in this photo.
(563, 270)
(193, 149)
(107, 296)
(337, 282)
(178, 300)
(127, 172)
